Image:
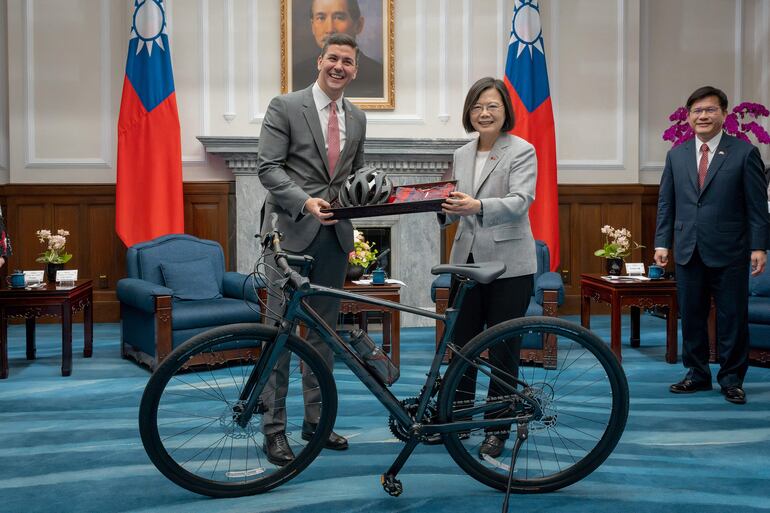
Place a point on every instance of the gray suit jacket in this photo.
(292, 166)
(506, 190)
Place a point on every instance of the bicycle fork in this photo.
(249, 400)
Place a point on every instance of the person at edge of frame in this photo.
(712, 206)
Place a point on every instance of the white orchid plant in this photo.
(617, 243)
(55, 253)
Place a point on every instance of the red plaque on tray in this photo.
(405, 199)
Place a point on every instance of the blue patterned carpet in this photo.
(72, 444)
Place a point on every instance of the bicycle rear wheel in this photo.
(186, 417)
(584, 405)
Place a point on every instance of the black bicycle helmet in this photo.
(368, 186)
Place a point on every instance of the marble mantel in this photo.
(415, 244)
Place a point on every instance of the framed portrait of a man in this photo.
(305, 24)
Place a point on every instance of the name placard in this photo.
(68, 275)
(31, 277)
(634, 268)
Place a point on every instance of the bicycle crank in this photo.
(410, 404)
(391, 485)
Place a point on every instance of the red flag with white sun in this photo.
(527, 79)
(149, 198)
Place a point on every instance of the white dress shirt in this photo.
(713, 143)
(481, 160)
(322, 103)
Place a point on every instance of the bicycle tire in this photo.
(585, 402)
(185, 416)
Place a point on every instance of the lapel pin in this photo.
(720, 153)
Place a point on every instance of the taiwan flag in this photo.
(527, 80)
(149, 199)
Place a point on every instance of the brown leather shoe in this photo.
(734, 395)
(277, 449)
(335, 442)
(492, 446)
(688, 386)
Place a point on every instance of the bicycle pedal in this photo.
(391, 485)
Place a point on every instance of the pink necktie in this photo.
(703, 165)
(333, 138)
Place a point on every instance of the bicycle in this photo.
(200, 425)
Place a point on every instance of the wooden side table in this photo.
(636, 295)
(391, 319)
(48, 301)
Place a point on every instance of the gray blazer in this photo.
(292, 166)
(506, 190)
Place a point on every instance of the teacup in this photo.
(16, 280)
(655, 272)
(378, 277)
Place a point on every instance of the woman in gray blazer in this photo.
(496, 175)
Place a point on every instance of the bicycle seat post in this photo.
(456, 298)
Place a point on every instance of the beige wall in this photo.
(617, 69)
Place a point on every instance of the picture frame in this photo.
(302, 38)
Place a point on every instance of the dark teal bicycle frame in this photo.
(299, 311)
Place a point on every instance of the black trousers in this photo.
(483, 307)
(729, 285)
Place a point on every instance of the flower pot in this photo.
(50, 271)
(614, 266)
(355, 272)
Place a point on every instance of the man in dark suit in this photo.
(713, 207)
(329, 17)
(311, 140)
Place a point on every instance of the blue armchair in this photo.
(759, 322)
(547, 296)
(759, 319)
(177, 287)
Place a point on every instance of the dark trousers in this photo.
(329, 270)
(696, 284)
(483, 307)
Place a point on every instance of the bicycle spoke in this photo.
(568, 413)
(195, 437)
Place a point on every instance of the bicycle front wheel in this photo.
(188, 410)
(582, 403)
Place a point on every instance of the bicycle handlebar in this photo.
(284, 260)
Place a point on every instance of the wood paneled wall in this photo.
(88, 213)
(583, 210)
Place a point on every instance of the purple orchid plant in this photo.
(741, 122)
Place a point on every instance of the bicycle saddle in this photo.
(481, 272)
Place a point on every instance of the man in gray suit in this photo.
(311, 141)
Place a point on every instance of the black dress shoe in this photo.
(734, 395)
(492, 446)
(277, 449)
(688, 386)
(335, 441)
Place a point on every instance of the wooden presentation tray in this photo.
(405, 199)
